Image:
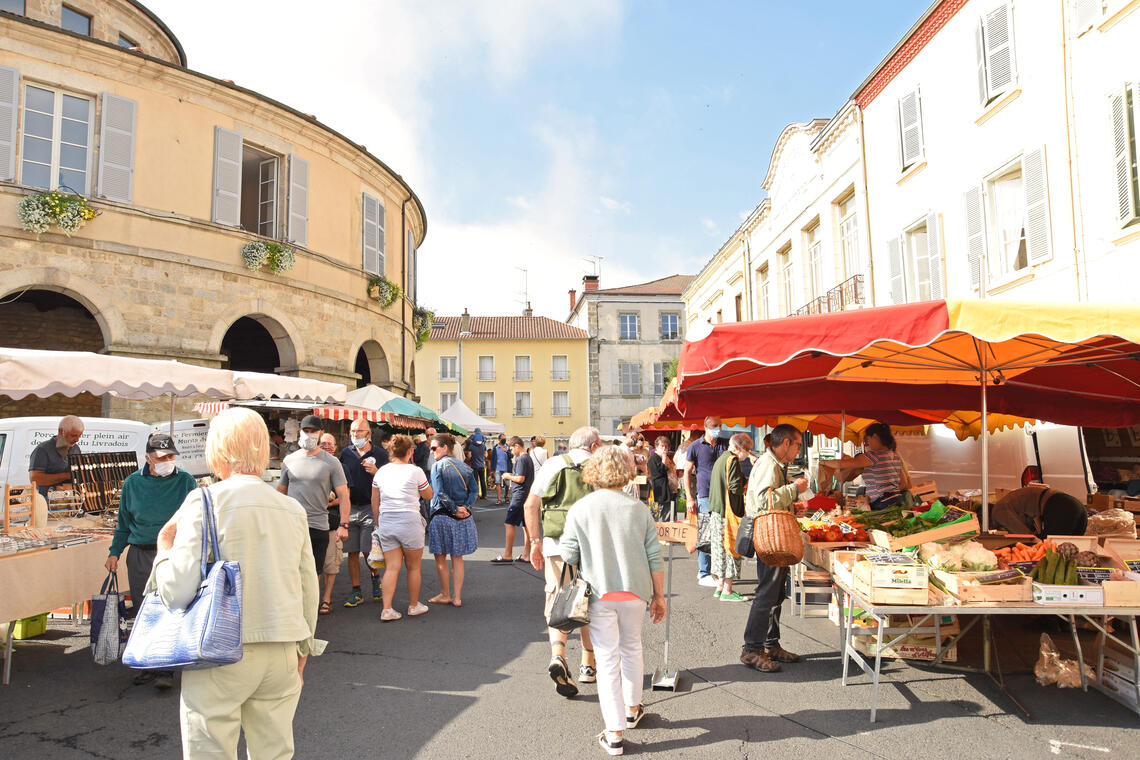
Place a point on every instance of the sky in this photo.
(551, 139)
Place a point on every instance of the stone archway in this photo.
(48, 318)
(257, 343)
(371, 363)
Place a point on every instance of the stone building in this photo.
(184, 170)
(635, 331)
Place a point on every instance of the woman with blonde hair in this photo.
(396, 492)
(613, 539)
(267, 534)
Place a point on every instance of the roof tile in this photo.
(674, 284)
(507, 328)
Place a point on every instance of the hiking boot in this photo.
(759, 661)
(779, 654)
(560, 674)
(354, 599)
(375, 588)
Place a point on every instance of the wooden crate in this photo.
(927, 490)
(862, 583)
(19, 507)
(910, 648)
(818, 553)
(885, 540)
(998, 592)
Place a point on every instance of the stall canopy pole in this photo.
(172, 415)
(985, 433)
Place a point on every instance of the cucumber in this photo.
(1048, 567)
(1071, 573)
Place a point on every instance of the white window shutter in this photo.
(895, 265)
(298, 201)
(934, 252)
(117, 148)
(980, 43)
(9, 102)
(1123, 117)
(910, 128)
(411, 248)
(1036, 184)
(370, 213)
(1087, 13)
(380, 234)
(998, 41)
(975, 235)
(227, 177)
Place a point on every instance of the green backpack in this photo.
(565, 488)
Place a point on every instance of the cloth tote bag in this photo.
(108, 622)
(570, 608)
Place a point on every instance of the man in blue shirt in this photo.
(360, 461)
(501, 459)
(521, 479)
(476, 446)
(700, 457)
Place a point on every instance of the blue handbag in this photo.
(205, 634)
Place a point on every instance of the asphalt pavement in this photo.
(471, 682)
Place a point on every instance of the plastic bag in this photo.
(1051, 669)
(375, 557)
(1111, 522)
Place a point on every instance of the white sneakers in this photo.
(419, 609)
(708, 581)
(389, 615)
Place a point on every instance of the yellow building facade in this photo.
(184, 170)
(528, 373)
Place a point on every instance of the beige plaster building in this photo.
(184, 170)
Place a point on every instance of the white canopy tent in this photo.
(369, 397)
(251, 385)
(461, 415)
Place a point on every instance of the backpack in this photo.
(565, 488)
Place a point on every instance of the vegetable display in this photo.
(1056, 569)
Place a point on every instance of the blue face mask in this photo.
(713, 432)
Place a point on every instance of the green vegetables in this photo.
(1056, 569)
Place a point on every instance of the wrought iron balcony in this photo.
(522, 411)
(485, 374)
(560, 374)
(522, 374)
(843, 296)
(560, 411)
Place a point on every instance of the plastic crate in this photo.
(30, 627)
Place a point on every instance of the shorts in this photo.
(333, 555)
(359, 531)
(499, 477)
(515, 515)
(400, 530)
(552, 568)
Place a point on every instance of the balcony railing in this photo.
(523, 411)
(485, 375)
(560, 411)
(448, 378)
(560, 374)
(843, 296)
(522, 374)
(486, 411)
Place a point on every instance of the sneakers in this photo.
(612, 748)
(708, 581)
(389, 615)
(631, 721)
(731, 596)
(419, 609)
(587, 673)
(716, 594)
(354, 599)
(375, 588)
(560, 674)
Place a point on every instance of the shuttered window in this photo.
(117, 148)
(975, 235)
(298, 231)
(629, 378)
(1124, 112)
(997, 70)
(1035, 182)
(9, 98)
(915, 261)
(372, 215)
(911, 148)
(227, 177)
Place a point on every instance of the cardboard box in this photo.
(1125, 593)
(1106, 501)
(883, 581)
(1068, 596)
(1121, 690)
(966, 527)
(959, 586)
(910, 648)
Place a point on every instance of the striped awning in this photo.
(210, 408)
(335, 412)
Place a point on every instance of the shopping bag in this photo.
(108, 622)
(205, 634)
(704, 533)
(570, 608)
(375, 557)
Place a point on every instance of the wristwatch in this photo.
(344, 525)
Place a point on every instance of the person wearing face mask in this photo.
(659, 475)
(360, 460)
(149, 498)
(309, 475)
(700, 458)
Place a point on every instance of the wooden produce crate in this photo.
(1126, 551)
(1021, 591)
(891, 583)
(887, 541)
(1067, 596)
(1106, 501)
(818, 553)
(925, 491)
(910, 648)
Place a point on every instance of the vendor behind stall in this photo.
(884, 475)
(48, 465)
(1040, 510)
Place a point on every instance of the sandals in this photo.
(501, 560)
(325, 608)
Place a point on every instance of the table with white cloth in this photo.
(37, 581)
(927, 622)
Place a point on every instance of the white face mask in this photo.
(359, 442)
(162, 469)
(307, 442)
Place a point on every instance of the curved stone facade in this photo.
(160, 269)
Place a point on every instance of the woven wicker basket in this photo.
(776, 536)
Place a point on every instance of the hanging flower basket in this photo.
(384, 291)
(275, 257)
(422, 321)
(40, 212)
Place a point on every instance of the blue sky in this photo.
(539, 132)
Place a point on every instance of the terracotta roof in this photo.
(507, 328)
(674, 284)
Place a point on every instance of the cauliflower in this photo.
(945, 560)
(961, 549)
(979, 559)
(928, 550)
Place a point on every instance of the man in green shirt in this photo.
(769, 488)
(149, 499)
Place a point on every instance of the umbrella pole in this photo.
(985, 457)
(171, 415)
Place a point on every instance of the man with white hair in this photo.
(48, 465)
(545, 552)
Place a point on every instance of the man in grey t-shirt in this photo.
(309, 476)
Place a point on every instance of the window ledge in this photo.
(1114, 17)
(1010, 282)
(1129, 236)
(910, 171)
(998, 105)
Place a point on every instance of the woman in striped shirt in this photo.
(884, 475)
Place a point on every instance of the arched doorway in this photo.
(47, 319)
(256, 343)
(372, 365)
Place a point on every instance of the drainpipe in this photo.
(1080, 257)
(866, 204)
(403, 310)
(748, 284)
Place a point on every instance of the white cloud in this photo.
(615, 206)
(519, 202)
(709, 226)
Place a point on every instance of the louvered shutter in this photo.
(1121, 109)
(910, 128)
(934, 252)
(370, 234)
(998, 40)
(411, 247)
(227, 177)
(1036, 185)
(616, 378)
(975, 235)
(117, 148)
(980, 45)
(298, 200)
(636, 367)
(9, 101)
(895, 267)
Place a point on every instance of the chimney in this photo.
(465, 322)
(573, 298)
(589, 283)
(528, 312)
